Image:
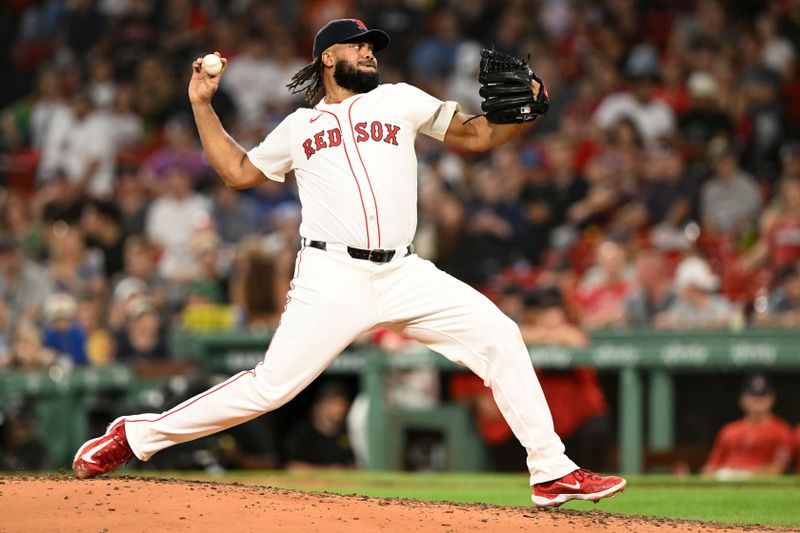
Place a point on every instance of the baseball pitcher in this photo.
(354, 162)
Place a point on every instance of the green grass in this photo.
(761, 501)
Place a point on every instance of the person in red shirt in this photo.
(797, 448)
(758, 444)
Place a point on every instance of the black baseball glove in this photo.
(507, 89)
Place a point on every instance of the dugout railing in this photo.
(645, 361)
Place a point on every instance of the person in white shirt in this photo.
(353, 158)
(171, 221)
(653, 118)
(81, 143)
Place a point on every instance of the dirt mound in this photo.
(129, 504)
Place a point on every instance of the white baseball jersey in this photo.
(355, 164)
(356, 170)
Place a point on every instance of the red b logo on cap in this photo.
(361, 25)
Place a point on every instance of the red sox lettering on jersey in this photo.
(375, 131)
(355, 164)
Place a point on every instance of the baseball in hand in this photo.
(213, 64)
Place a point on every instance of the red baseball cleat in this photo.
(103, 454)
(578, 485)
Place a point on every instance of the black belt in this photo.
(376, 256)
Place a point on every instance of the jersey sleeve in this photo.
(427, 114)
(273, 156)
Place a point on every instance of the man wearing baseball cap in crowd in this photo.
(698, 305)
(758, 444)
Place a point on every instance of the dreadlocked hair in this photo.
(308, 81)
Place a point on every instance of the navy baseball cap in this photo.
(345, 31)
(757, 385)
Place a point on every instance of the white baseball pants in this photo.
(335, 298)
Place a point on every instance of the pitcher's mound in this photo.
(127, 504)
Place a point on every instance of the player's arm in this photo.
(478, 134)
(224, 154)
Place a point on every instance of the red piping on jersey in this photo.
(220, 387)
(369, 181)
(360, 196)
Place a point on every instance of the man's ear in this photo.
(327, 58)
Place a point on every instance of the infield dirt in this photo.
(123, 504)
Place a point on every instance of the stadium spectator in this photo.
(180, 150)
(71, 268)
(697, 305)
(321, 441)
(761, 108)
(730, 198)
(88, 152)
(778, 244)
(569, 185)
(257, 290)
(653, 293)
(153, 90)
(131, 196)
(127, 125)
(602, 291)
(82, 25)
(782, 307)
(251, 80)
(653, 118)
(235, 215)
(140, 271)
(20, 223)
(494, 223)
(286, 64)
(171, 220)
(100, 347)
(213, 267)
(101, 86)
(667, 191)
(704, 121)
(142, 338)
(611, 173)
(27, 122)
(24, 284)
(63, 333)
(27, 351)
(433, 59)
(102, 232)
(758, 444)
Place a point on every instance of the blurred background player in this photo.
(759, 444)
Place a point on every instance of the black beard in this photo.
(358, 81)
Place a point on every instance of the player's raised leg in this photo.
(329, 306)
(455, 320)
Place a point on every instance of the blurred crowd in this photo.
(661, 190)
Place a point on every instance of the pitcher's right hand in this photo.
(202, 86)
